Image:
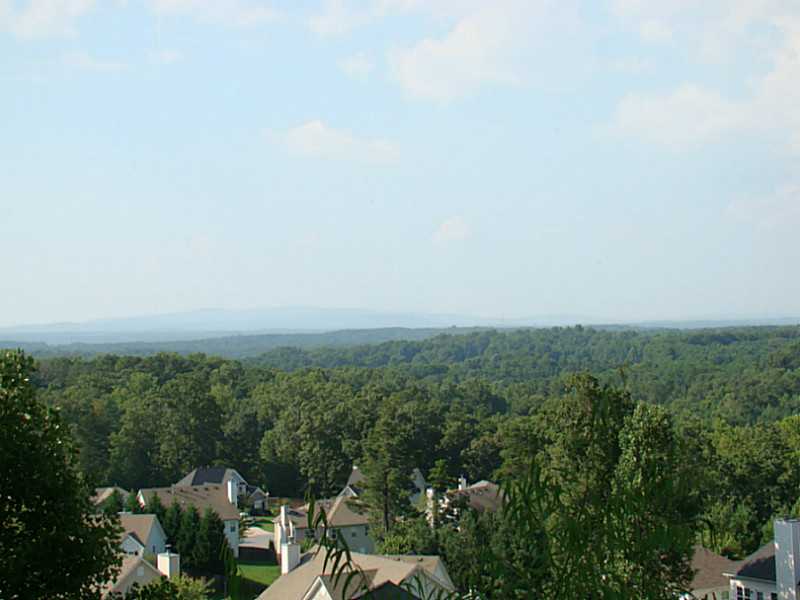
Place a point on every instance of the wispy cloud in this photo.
(693, 114)
(337, 18)
(454, 229)
(315, 139)
(358, 66)
(235, 13)
(503, 42)
(43, 18)
(86, 62)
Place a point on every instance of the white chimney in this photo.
(290, 552)
(787, 557)
(233, 492)
(462, 483)
(169, 564)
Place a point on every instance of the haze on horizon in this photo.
(624, 160)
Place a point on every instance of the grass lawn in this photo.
(259, 572)
(264, 522)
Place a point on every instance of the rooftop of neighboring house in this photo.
(340, 512)
(129, 567)
(139, 526)
(482, 496)
(379, 571)
(210, 475)
(759, 565)
(102, 494)
(201, 496)
(709, 568)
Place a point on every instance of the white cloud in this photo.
(475, 52)
(693, 114)
(43, 18)
(655, 31)
(687, 116)
(315, 139)
(86, 62)
(358, 66)
(235, 13)
(454, 229)
(781, 210)
(633, 65)
(503, 42)
(338, 18)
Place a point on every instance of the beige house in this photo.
(141, 534)
(201, 497)
(385, 577)
(238, 490)
(345, 517)
(136, 570)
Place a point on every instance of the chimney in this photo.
(462, 483)
(233, 493)
(787, 557)
(290, 552)
(169, 564)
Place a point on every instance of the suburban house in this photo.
(385, 577)
(136, 570)
(201, 497)
(773, 571)
(142, 533)
(344, 517)
(102, 494)
(239, 492)
(483, 496)
(709, 581)
(355, 484)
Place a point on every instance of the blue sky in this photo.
(623, 160)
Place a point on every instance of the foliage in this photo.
(51, 543)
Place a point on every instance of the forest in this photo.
(485, 405)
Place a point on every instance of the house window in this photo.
(759, 595)
(748, 593)
(355, 533)
(232, 528)
(739, 592)
(773, 596)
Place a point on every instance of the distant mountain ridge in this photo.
(247, 333)
(211, 323)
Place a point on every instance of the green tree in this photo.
(113, 504)
(188, 534)
(208, 543)
(387, 468)
(155, 507)
(172, 521)
(132, 503)
(51, 544)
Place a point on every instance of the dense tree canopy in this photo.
(482, 405)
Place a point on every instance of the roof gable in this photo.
(760, 564)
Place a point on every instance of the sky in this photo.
(620, 159)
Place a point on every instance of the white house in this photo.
(773, 571)
(142, 534)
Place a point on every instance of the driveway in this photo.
(255, 537)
